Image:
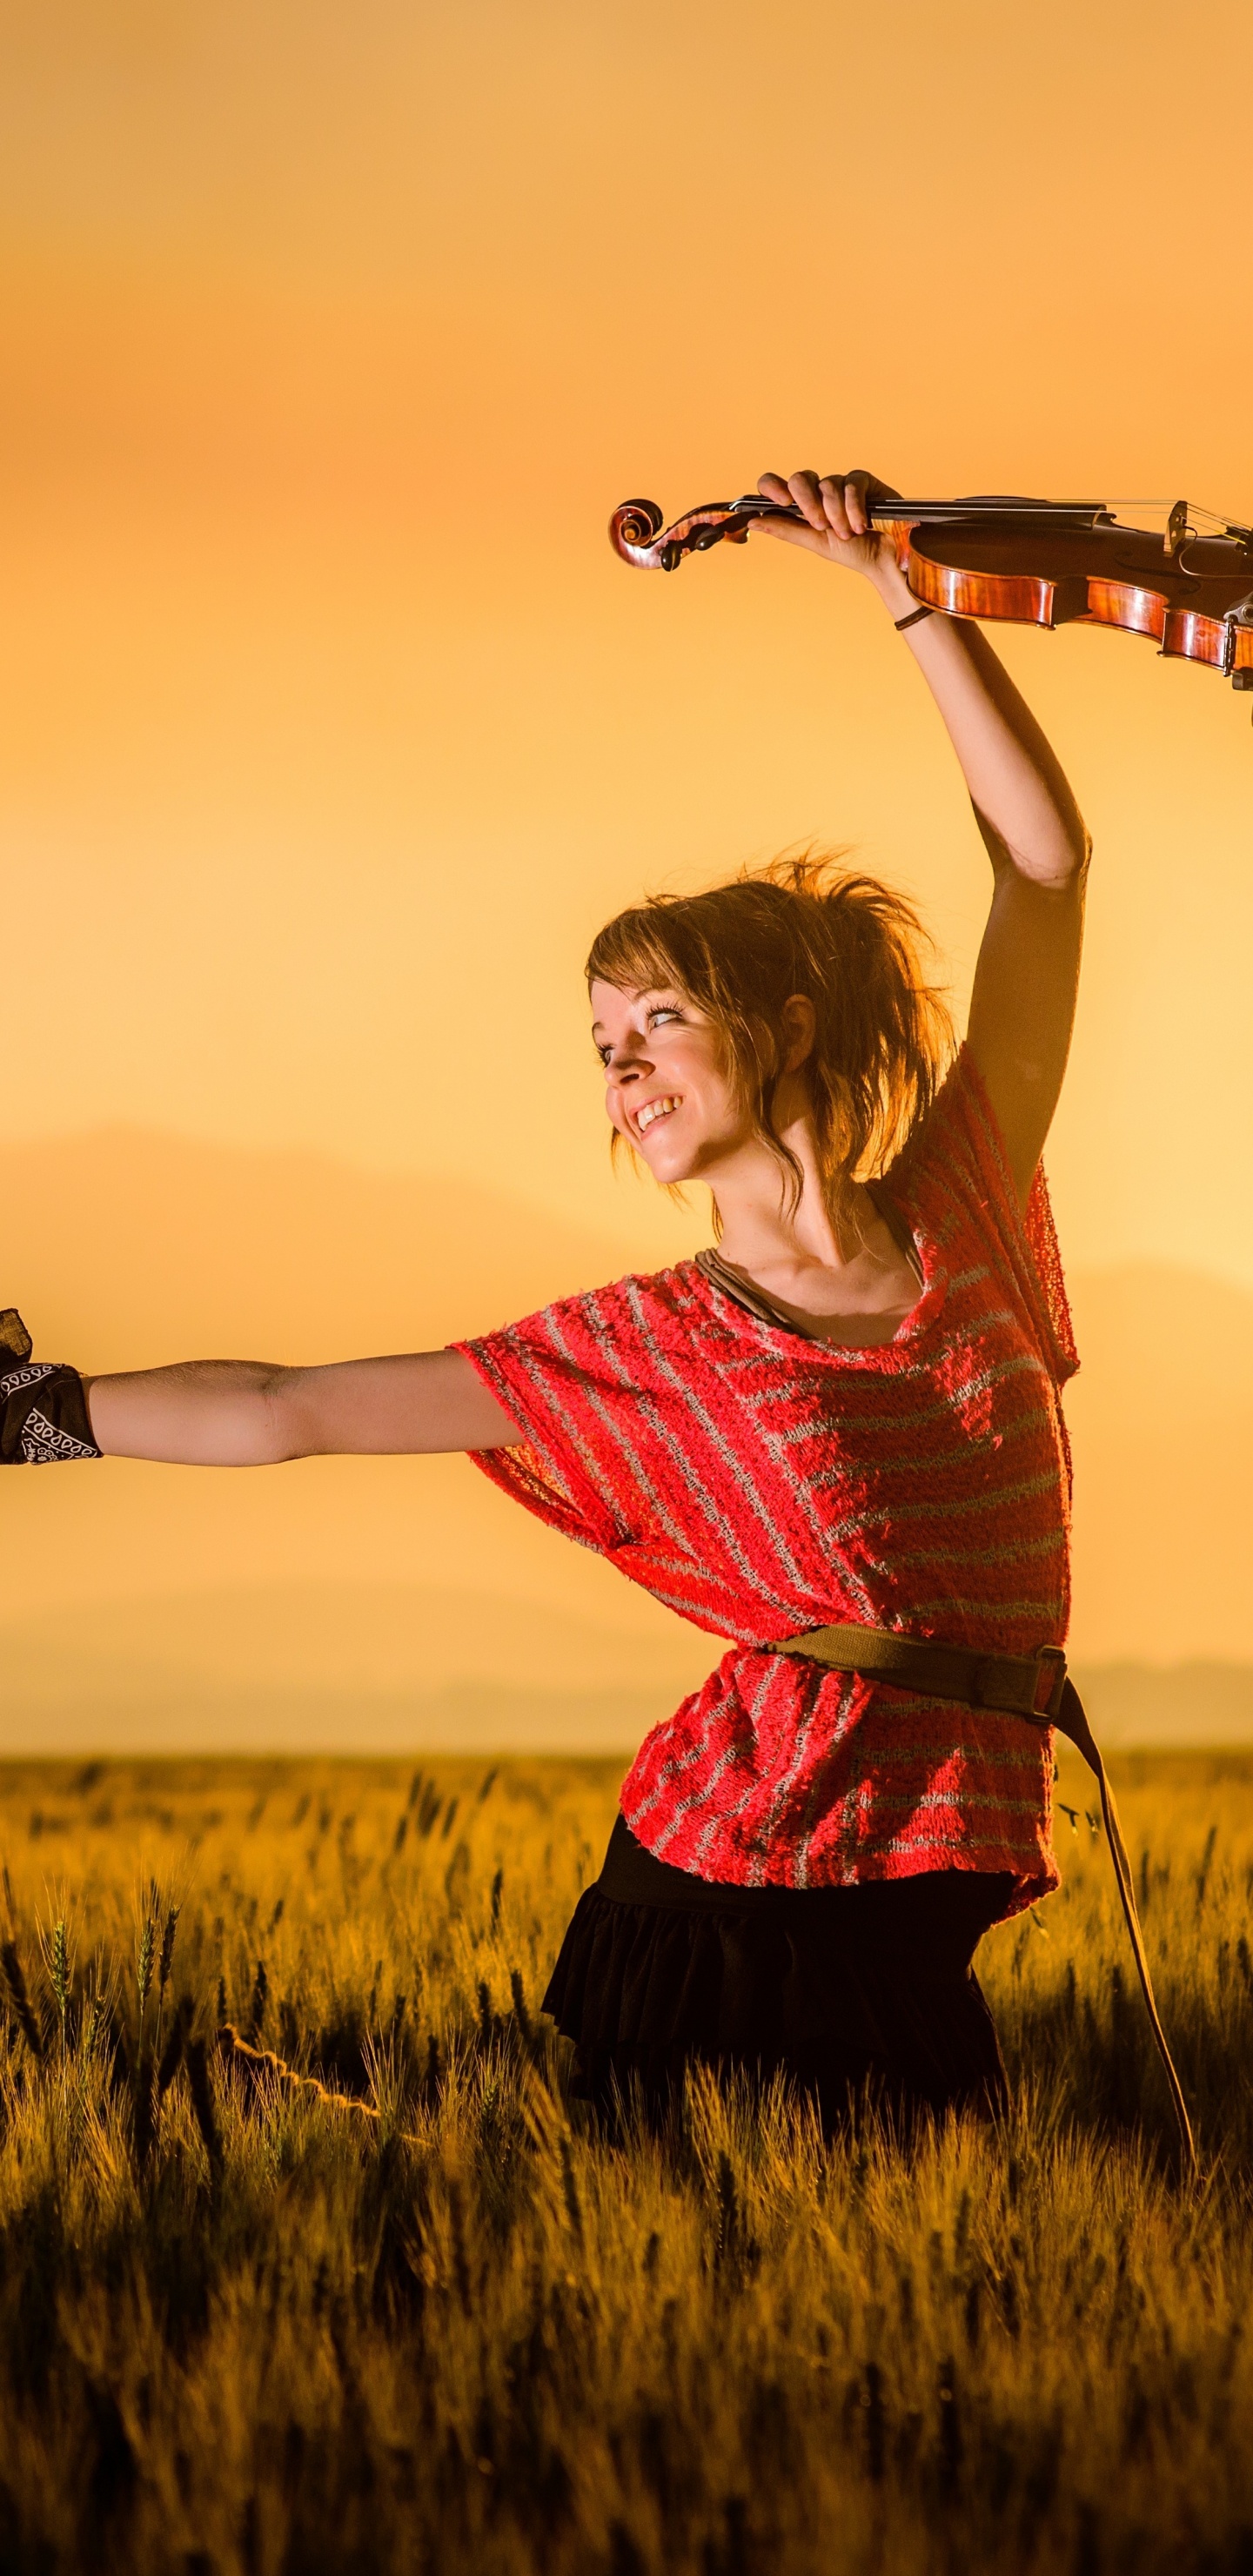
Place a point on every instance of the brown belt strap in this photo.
(1035, 1687)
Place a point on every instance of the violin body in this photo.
(1033, 563)
(1107, 576)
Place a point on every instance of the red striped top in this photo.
(760, 1482)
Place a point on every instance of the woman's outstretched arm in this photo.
(1022, 1007)
(247, 1413)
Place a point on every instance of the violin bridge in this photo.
(1177, 529)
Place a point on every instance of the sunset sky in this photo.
(333, 729)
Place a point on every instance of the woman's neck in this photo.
(839, 1269)
(762, 1218)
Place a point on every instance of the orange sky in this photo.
(332, 726)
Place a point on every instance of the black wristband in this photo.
(900, 623)
(43, 1409)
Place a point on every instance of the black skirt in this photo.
(846, 1991)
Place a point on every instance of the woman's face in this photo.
(667, 1088)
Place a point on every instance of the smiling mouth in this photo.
(654, 1109)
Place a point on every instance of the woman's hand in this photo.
(836, 522)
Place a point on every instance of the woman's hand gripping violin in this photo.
(1037, 563)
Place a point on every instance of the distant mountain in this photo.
(365, 1640)
(128, 1586)
(1182, 1704)
(360, 1665)
(126, 1248)
(467, 1717)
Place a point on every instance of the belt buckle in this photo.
(1054, 1656)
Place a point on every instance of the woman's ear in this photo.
(800, 1022)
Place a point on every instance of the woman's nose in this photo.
(627, 1062)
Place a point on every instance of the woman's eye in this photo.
(658, 1011)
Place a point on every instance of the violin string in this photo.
(1196, 509)
(1015, 505)
(891, 509)
(991, 505)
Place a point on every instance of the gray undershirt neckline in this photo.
(755, 1301)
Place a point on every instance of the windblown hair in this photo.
(803, 925)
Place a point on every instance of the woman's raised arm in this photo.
(248, 1413)
(1022, 1006)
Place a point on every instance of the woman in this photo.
(847, 1412)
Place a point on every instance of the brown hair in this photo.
(801, 925)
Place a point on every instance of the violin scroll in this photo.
(637, 530)
(633, 527)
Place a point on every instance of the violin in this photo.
(1035, 563)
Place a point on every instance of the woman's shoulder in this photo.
(953, 1171)
(640, 1307)
(954, 1182)
(652, 1301)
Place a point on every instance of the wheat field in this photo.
(436, 2322)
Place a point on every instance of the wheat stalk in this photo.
(59, 1973)
(166, 1961)
(144, 1958)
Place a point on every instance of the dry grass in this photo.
(242, 2328)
